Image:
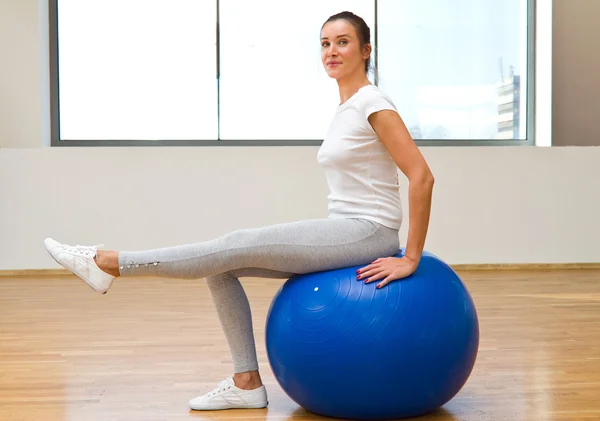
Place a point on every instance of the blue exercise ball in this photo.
(345, 349)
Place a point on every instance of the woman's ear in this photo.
(367, 51)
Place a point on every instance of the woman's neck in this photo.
(347, 88)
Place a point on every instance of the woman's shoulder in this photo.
(373, 92)
(373, 95)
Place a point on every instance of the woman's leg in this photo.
(245, 388)
(233, 310)
(297, 247)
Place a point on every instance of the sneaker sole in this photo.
(253, 406)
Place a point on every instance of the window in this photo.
(137, 69)
(246, 72)
(272, 83)
(457, 70)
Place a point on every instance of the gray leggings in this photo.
(276, 251)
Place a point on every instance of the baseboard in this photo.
(458, 267)
(34, 272)
(526, 266)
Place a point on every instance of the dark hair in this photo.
(362, 29)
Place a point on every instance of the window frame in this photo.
(55, 140)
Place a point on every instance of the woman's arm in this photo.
(392, 132)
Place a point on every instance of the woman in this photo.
(365, 145)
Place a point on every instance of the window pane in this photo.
(137, 69)
(273, 85)
(456, 69)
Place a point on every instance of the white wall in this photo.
(491, 205)
(24, 108)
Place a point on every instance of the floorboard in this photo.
(144, 349)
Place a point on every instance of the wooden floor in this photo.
(144, 349)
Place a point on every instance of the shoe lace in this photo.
(86, 251)
(221, 387)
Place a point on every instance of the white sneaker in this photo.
(228, 396)
(80, 260)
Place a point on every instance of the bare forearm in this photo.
(419, 197)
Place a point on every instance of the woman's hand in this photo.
(388, 269)
(393, 133)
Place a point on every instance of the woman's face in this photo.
(341, 53)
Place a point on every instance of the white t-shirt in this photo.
(361, 174)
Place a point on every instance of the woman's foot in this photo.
(81, 260)
(243, 390)
(108, 261)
